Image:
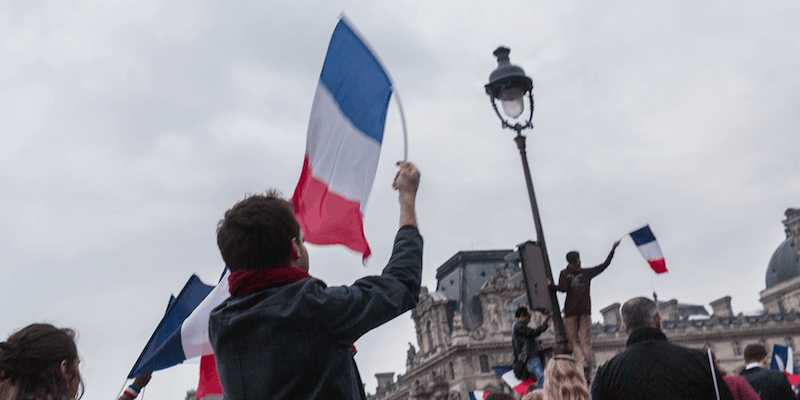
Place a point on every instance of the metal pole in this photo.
(562, 342)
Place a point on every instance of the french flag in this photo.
(344, 139)
(517, 385)
(478, 395)
(648, 246)
(182, 334)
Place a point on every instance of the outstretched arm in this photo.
(562, 284)
(602, 267)
(406, 182)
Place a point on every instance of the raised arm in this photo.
(602, 267)
(406, 182)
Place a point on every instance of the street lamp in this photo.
(509, 84)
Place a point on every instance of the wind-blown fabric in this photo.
(343, 145)
(478, 395)
(651, 251)
(507, 373)
(782, 359)
(183, 332)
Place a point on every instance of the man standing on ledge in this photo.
(285, 335)
(578, 307)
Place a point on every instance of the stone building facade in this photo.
(463, 328)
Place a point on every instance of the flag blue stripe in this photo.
(502, 370)
(357, 82)
(472, 396)
(783, 353)
(643, 236)
(164, 349)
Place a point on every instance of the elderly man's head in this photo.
(640, 312)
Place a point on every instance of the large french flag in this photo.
(648, 246)
(182, 334)
(517, 385)
(344, 139)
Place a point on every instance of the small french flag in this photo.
(648, 246)
(517, 385)
(478, 395)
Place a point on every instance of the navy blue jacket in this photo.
(651, 368)
(294, 341)
(769, 384)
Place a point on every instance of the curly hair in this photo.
(257, 233)
(30, 362)
(563, 380)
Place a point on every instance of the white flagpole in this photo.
(403, 120)
(713, 373)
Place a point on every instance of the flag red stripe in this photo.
(659, 266)
(209, 385)
(327, 217)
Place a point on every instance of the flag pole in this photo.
(713, 373)
(342, 16)
(125, 383)
(403, 121)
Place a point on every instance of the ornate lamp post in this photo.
(509, 84)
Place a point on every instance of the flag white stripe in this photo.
(651, 251)
(194, 330)
(339, 154)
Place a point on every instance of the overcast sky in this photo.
(129, 127)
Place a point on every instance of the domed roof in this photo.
(784, 264)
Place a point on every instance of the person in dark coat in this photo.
(769, 384)
(525, 342)
(286, 335)
(652, 368)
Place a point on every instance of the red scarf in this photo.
(245, 282)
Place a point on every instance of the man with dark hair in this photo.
(652, 368)
(767, 383)
(525, 344)
(285, 335)
(578, 306)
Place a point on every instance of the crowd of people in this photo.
(283, 334)
(651, 367)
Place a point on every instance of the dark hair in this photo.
(639, 312)
(30, 362)
(754, 353)
(521, 311)
(572, 257)
(257, 233)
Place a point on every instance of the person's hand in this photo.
(614, 247)
(550, 283)
(548, 316)
(406, 182)
(407, 178)
(142, 381)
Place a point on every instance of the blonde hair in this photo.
(563, 380)
(537, 394)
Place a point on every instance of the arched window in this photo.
(429, 336)
(736, 350)
(484, 363)
(452, 371)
